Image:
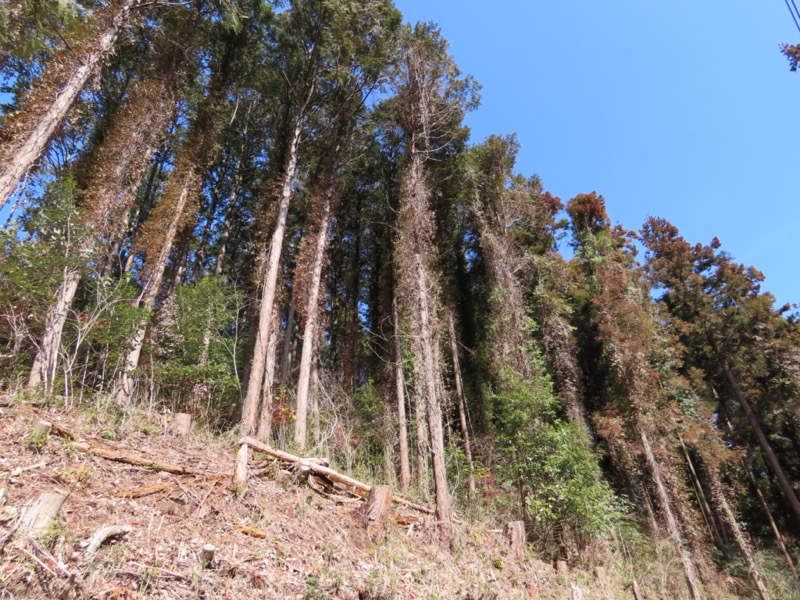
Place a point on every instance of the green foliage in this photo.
(199, 349)
(35, 256)
(566, 500)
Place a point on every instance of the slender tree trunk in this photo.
(773, 525)
(462, 412)
(766, 447)
(256, 379)
(27, 135)
(705, 507)
(738, 535)
(414, 248)
(265, 418)
(46, 361)
(288, 341)
(672, 523)
(400, 396)
(310, 329)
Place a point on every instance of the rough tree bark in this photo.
(320, 243)
(27, 134)
(415, 226)
(110, 185)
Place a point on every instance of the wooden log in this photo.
(515, 536)
(637, 595)
(182, 424)
(375, 510)
(137, 461)
(358, 486)
(98, 539)
(240, 470)
(39, 514)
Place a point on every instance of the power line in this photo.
(792, 12)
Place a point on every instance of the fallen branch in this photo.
(359, 486)
(93, 544)
(138, 461)
(147, 490)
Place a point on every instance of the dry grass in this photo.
(310, 547)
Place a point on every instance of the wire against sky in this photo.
(795, 13)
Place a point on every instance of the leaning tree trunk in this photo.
(28, 133)
(110, 186)
(265, 321)
(320, 243)
(672, 522)
(462, 411)
(177, 209)
(738, 535)
(148, 298)
(766, 447)
(45, 362)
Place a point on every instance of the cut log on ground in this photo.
(98, 539)
(515, 535)
(137, 461)
(40, 514)
(361, 488)
(375, 510)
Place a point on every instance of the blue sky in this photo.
(684, 109)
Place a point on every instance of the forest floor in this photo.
(279, 539)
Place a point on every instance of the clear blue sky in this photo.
(683, 109)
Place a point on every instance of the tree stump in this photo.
(41, 428)
(562, 568)
(40, 514)
(515, 536)
(207, 556)
(182, 424)
(240, 470)
(374, 512)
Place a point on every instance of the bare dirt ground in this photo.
(279, 539)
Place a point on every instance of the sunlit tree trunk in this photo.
(312, 308)
(400, 397)
(265, 322)
(110, 186)
(672, 523)
(27, 134)
(419, 289)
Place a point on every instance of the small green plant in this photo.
(36, 440)
(54, 531)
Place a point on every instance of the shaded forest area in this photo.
(270, 215)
